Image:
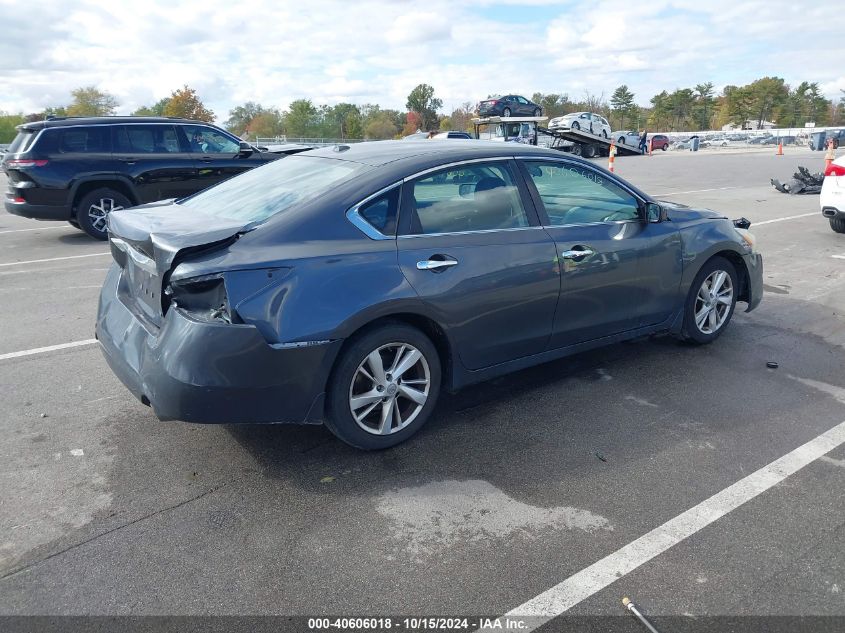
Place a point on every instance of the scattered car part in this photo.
(632, 608)
(803, 182)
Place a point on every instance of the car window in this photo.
(206, 140)
(260, 193)
(146, 139)
(84, 140)
(575, 194)
(380, 213)
(585, 116)
(474, 197)
(522, 100)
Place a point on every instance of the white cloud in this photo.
(377, 50)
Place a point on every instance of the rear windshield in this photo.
(22, 141)
(265, 191)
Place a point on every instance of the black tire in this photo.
(665, 146)
(93, 208)
(604, 133)
(691, 331)
(621, 140)
(339, 418)
(538, 112)
(576, 149)
(74, 224)
(837, 224)
(575, 126)
(506, 112)
(588, 151)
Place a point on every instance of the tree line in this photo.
(697, 108)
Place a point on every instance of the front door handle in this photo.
(435, 264)
(576, 254)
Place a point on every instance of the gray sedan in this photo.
(349, 285)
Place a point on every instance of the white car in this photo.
(586, 121)
(832, 198)
(517, 133)
(631, 137)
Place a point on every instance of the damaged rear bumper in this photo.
(211, 373)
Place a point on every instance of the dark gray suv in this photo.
(81, 169)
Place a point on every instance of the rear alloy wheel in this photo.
(93, 210)
(837, 224)
(621, 140)
(604, 133)
(506, 112)
(575, 125)
(710, 302)
(384, 387)
(538, 112)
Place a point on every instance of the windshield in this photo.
(263, 192)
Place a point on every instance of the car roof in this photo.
(106, 120)
(376, 153)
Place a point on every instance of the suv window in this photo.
(475, 197)
(146, 139)
(22, 141)
(84, 140)
(206, 140)
(574, 194)
(380, 213)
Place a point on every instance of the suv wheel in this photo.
(384, 387)
(837, 224)
(93, 210)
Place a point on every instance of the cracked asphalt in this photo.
(514, 486)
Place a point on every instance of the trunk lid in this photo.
(147, 241)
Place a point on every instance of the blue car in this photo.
(350, 284)
(509, 105)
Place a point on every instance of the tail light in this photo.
(25, 162)
(203, 298)
(835, 170)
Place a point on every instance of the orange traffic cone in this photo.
(780, 150)
(649, 147)
(611, 157)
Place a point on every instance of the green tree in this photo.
(8, 122)
(660, 112)
(703, 106)
(553, 104)
(380, 126)
(767, 95)
(622, 102)
(157, 109)
(422, 101)
(343, 120)
(266, 124)
(301, 119)
(89, 101)
(185, 104)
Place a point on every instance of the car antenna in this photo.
(340, 148)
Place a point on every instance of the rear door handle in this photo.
(435, 264)
(129, 159)
(577, 253)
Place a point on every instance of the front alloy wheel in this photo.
(713, 302)
(710, 302)
(93, 210)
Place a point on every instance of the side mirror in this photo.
(655, 213)
(466, 190)
(245, 149)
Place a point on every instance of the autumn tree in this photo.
(380, 126)
(413, 123)
(185, 104)
(89, 101)
(267, 123)
(462, 116)
(422, 101)
(241, 116)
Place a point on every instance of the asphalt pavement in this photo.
(513, 487)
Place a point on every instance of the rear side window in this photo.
(22, 142)
(85, 140)
(146, 139)
(380, 213)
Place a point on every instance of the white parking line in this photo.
(838, 256)
(51, 348)
(789, 217)
(53, 259)
(611, 568)
(43, 228)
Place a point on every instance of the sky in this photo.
(375, 51)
